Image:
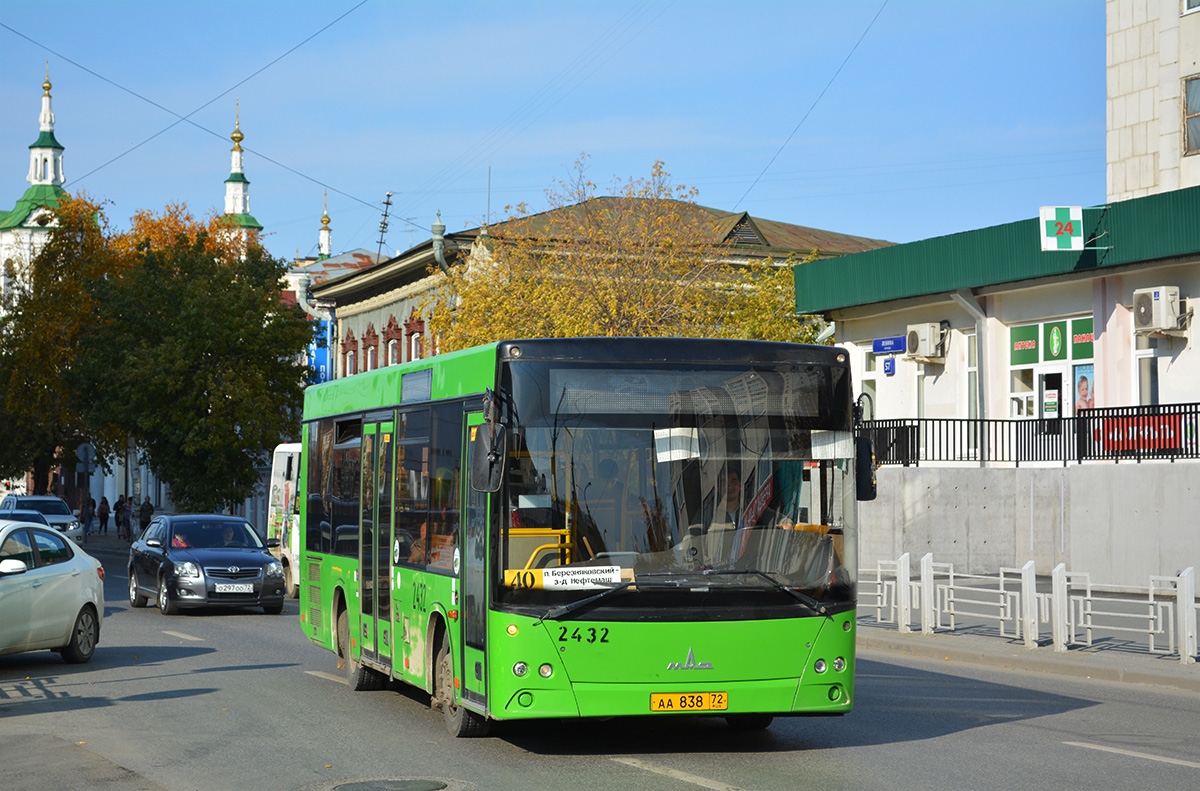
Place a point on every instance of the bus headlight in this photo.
(546, 670)
(520, 669)
(819, 666)
(839, 664)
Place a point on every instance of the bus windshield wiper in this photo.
(565, 609)
(803, 598)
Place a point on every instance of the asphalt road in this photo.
(239, 700)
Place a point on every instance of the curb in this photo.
(940, 648)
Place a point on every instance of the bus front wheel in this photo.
(461, 722)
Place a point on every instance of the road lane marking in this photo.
(326, 676)
(1131, 753)
(685, 777)
(183, 636)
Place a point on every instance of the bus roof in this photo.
(470, 371)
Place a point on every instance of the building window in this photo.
(393, 352)
(1191, 115)
(1190, 5)
(414, 328)
(1021, 393)
(349, 355)
(972, 376)
(370, 348)
(869, 383)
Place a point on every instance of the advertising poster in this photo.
(1084, 392)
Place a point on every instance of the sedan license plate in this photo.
(689, 701)
(234, 587)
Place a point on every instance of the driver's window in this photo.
(157, 530)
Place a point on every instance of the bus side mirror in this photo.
(864, 468)
(489, 450)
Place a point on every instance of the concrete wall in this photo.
(1121, 523)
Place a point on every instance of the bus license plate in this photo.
(233, 587)
(689, 701)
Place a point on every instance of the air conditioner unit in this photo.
(1156, 308)
(923, 340)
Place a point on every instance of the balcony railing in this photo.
(1136, 433)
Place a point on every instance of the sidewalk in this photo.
(106, 544)
(1097, 664)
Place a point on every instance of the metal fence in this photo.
(1166, 431)
(1162, 618)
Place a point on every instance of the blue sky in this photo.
(949, 115)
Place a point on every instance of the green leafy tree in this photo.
(196, 358)
(42, 322)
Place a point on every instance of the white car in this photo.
(55, 509)
(51, 593)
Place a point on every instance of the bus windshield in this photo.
(682, 479)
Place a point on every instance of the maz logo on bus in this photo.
(690, 664)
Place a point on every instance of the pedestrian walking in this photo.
(145, 513)
(121, 511)
(102, 512)
(86, 514)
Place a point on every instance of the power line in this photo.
(187, 118)
(814, 104)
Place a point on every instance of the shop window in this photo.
(1021, 394)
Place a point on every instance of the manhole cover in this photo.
(392, 785)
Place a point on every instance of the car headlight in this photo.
(187, 569)
(73, 526)
(274, 569)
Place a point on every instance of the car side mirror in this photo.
(12, 566)
(489, 451)
(154, 542)
(864, 468)
(272, 543)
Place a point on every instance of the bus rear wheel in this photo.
(461, 722)
(358, 678)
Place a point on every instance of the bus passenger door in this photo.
(375, 567)
(471, 567)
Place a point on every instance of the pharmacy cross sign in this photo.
(1061, 227)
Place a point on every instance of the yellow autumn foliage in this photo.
(644, 262)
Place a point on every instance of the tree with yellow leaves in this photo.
(647, 261)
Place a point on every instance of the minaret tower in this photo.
(46, 154)
(325, 238)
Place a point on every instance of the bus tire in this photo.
(460, 721)
(749, 722)
(358, 678)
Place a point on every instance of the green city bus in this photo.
(590, 527)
